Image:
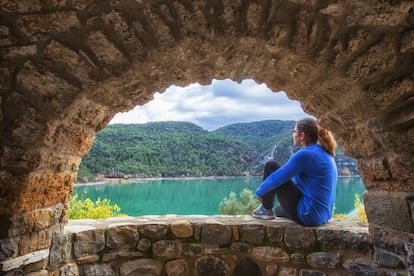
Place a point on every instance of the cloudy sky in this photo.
(221, 103)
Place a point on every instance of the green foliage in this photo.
(231, 206)
(170, 149)
(339, 215)
(86, 208)
(176, 149)
(361, 216)
(263, 137)
(360, 210)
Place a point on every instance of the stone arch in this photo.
(68, 67)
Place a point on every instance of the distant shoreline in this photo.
(139, 179)
(130, 180)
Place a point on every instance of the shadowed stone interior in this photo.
(67, 67)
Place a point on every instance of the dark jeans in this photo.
(287, 194)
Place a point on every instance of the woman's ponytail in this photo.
(326, 140)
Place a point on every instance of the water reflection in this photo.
(193, 196)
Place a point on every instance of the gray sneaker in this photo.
(263, 213)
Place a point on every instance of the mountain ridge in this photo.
(184, 149)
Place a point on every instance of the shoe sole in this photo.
(263, 217)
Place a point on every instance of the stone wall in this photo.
(215, 245)
(67, 67)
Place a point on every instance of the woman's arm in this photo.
(292, 168)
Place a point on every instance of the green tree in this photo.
(231, 206)
(86, 208)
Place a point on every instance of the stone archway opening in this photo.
(68, 68)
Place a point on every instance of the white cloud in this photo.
(218, 104)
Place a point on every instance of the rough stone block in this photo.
(34, 241)
(122, 236)
(7, 249)
(86, 112)
(69, 138)
(61, 248)
(59, 21)
(177, 267)
(297, 258)
(323, 260)
(409, 247)
(252, 232)
(121, 255)
(241, 247)
(387, 259)
(182, 228)
(23, 6)
(156, 230)
(35, 267)
(41, 218)
(381, 207)
(88, 259)
(45, 189)
(270, 254)
(389, 239)
(26, 130)
(20, 52)
(89, 242)
(98, 269)
(165, 250)
(143, 244)
(75, 65)
(299, 237)
(69, 269)
(214, 232)
(344, 235)
(191, 249)
(275, 233)
(204, 265)
(141, 267)
(105, 50)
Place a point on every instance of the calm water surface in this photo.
(193, 196)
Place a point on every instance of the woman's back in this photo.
(317, 182)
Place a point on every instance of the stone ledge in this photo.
(332, 225)
(222, 229)
(193, 243)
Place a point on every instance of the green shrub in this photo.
(231, 206)
(360, 214)
(360, 210)
(86, 208)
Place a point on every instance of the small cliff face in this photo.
(68, 67)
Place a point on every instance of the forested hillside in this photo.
(269, 139)
(176, 149)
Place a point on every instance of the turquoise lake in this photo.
(200, 196)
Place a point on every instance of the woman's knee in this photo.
(271, 165)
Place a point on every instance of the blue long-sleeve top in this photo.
(315, 174)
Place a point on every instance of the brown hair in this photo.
(317, 134)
